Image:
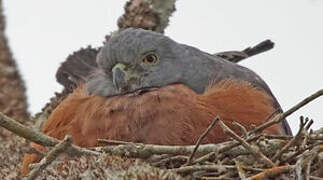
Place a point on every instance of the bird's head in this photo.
(135, 59)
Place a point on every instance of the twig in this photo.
(305, 159)
(308, 169)
(236, 143)
(199, 141)
(227, 176)
(282, 137)
(241, 172)
(35, 136)
(315, 178)
(309, 124)
(259, 156)
(270, 173)
(113, 142)
(25, 132)
(290, 143)
(299, 153)
(177, 159)
(51, 156)
(314, 153)
(207, 157)
(190, 169)
(274, 120)
(32, 150)
(252, 168)
(303, 103)
(320, 162)
(305, 133)
(299, 166)
(242, 128)
(281, 116)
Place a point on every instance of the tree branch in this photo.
(26, 132)
(259, 156)
(199, 141)
(290, 143)
(36, 137)
(279, 117)
(147, 14)
(51, 156)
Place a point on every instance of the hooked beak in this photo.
(119, 77)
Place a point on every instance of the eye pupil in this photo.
(150, 58)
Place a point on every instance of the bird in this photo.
(145, 87)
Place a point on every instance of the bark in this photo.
(147, 14)
(12, 87)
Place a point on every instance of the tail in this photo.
(76, 69)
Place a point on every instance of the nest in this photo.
(251, 156)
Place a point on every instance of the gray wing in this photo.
(216, 68)
(246, 74)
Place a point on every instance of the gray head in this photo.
(135, 58)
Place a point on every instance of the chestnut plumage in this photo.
(171, 115)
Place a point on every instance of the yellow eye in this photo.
(150, 59)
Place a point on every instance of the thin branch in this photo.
(242, 173)
(50, 157)
(273, 136)
(304, 160)
(274, 120)
(32, 150)
(309, 124)
(236, 143)
(207, 157)
(303, 103)
(242, 128)
(279, 117)
(308, 168)
(290, 143)
(199, 141)
(259, 156)
(272, 172)
(190, 169)
(36, 137)
(305, 132)
(300, 152)
(171, 159)
(26, 132)
(113, 142)
(315, 178)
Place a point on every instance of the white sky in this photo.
(42, 34)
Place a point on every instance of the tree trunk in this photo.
(12, 88)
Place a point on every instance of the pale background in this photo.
(42, 33)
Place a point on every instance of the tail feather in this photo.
(76, 69)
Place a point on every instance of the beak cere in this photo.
(119, 77)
